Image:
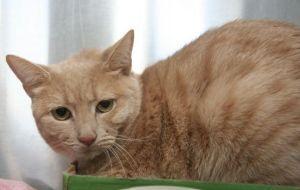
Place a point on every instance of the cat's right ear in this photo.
(118, 57)
(31, 75)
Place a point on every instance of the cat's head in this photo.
(81, 104)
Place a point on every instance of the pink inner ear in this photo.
(31, 75)
(28, 73)
(119, 55)
(123, 64)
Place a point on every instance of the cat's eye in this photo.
(105, 106)
(61, 113)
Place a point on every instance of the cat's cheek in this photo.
(64, 150)
(68, 152)
(58, 146)
(119, 118)
(121, 115)
(55, 133)
(49, 129)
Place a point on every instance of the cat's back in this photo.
(233, 46)
(240, 60)
(246, 67)
(240, 84)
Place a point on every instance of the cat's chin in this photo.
(89, 162)
(86, 156)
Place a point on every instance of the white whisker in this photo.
(104, 144)
(124, 150)
(141, 139)
(123, 139)
(110, 162)
(69, 143)
(124, 155)
(117, 156)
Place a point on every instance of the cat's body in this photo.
(224, 108)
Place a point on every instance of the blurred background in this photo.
(46, 32)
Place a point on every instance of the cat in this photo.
(226, 107)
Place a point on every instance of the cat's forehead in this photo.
(80, 79)
(84, 62)
(74, 68)
(82, 67)
(75, 88)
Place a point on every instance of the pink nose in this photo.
(87, 140)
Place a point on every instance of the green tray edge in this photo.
(79, 182)
(65, 180)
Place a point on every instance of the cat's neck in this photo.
(150, 107)
(144, 133)
(151, 97)
(163, 122)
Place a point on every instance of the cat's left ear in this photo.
(118, 57)
(31, 75)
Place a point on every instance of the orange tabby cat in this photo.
(226, 107)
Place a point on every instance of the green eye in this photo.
(61, 113)
(105, 106)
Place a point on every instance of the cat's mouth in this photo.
(85, 166)
(90, 152)
(100, 146)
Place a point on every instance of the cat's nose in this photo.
(87, 140)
